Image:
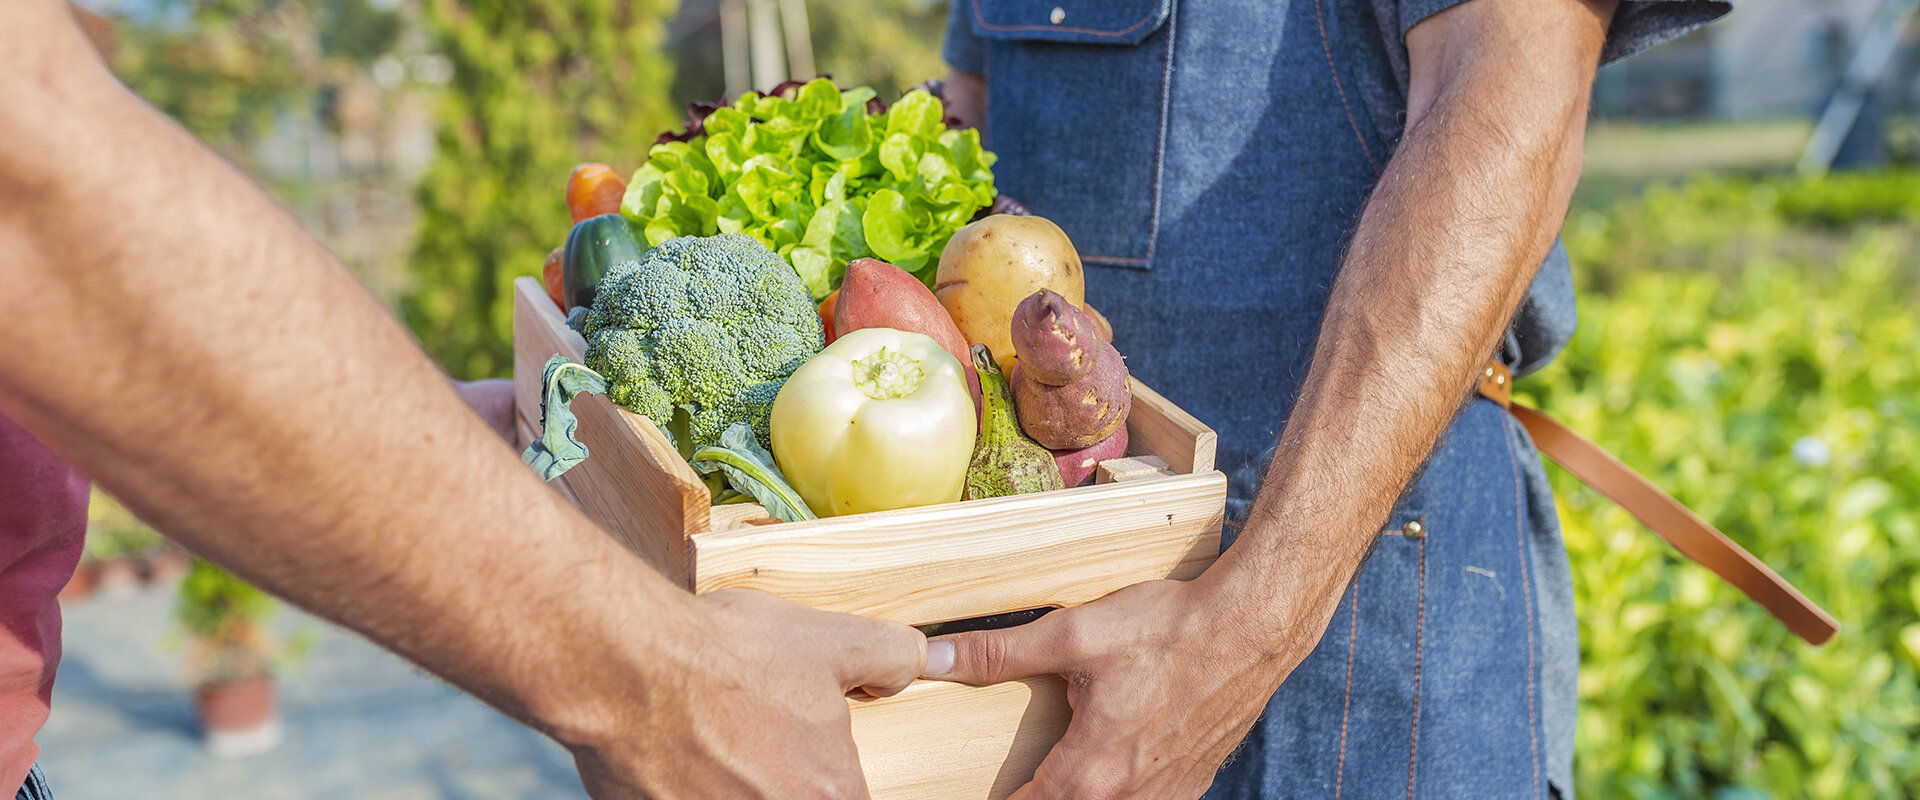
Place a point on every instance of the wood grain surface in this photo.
(1155, 514)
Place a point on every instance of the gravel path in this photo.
(360, 723)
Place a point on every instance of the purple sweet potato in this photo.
(1076, 415)
(1057, 342)
(1078, 467)
(1069, 385)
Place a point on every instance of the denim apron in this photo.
(1210, 160)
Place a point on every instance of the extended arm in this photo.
(1461, 219)
(1463, 215)
(184, 342)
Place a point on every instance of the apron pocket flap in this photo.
(1077, 21)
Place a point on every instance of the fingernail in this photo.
(939, 659)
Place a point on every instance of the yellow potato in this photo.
(991, 265)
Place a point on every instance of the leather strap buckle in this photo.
(1496, 383)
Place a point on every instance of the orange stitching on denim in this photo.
(1419, 635)
(1328, 49)
(1160, 145)
(1353, 638)
(1526, 589)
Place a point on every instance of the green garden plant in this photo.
(226, 620)
(114, 532)
(537, 88)
(1749, 344)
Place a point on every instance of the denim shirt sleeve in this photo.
(1637, 24)
(1641, 24)
(963, 49)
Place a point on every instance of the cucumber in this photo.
(593, 246)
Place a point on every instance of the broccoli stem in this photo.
(771, 481)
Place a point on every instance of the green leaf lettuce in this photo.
(820, 180)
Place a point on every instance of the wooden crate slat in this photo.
(633, 483)
(933, 741)
(1156, 426)
(740, 515)
(1134, 468)
(948, 741)
(540, 332)
(961, 560)
(525, 432)
(549, 335)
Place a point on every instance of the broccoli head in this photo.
(713, 323)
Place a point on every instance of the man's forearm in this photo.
(1458, 224)
(186, 344)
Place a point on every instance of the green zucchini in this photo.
(593, 246)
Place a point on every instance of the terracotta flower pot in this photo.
(239, 717)
(81, 584)
(119, 578)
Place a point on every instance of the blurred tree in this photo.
(225, 69)
(357, 30)
(887, 44)
(229, 70)
(537, 88)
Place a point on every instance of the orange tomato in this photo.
(550, 275)
(594, 189)
(826, 313)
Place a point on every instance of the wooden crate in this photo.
(1155, 514)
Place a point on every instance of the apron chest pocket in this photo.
(1076, 94)
(1077, 21)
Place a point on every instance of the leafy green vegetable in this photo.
(820, 178)
(750, 470)
(557, 450)
(679, 430)
(713, 324)
(736, 469)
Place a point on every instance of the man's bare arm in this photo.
(1165, 677)
(1466, 211)
(966, 96)
(184, 342)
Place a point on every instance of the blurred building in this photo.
(1768, 59)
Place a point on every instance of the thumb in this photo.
(880, 657)
(996, 656)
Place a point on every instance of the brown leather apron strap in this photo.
(1682, 528)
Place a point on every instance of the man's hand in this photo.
(1165, 678)
(757, 709)
(219, 372)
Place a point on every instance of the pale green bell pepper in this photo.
(880, 419)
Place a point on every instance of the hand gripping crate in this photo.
(1155, 514)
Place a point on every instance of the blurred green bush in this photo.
(536, 89)
(114, 532)
(1749, 344)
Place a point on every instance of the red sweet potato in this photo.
(1078, 467)
(876, 294)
